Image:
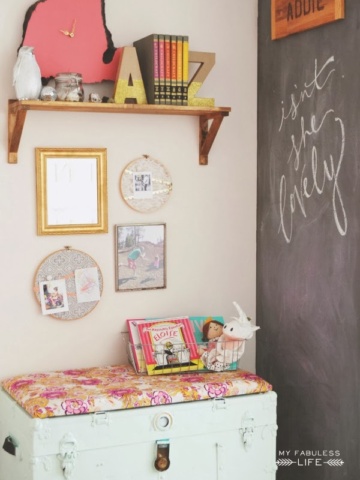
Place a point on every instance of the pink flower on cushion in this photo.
(160, 398)
(74, 407)
(192, 378)
(90, 381)
(40, 375)
(121, 392)
(73, 372)
(21, 384)
(53, 393)
(216, 389)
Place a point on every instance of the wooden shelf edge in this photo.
(17, 110)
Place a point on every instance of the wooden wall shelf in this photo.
(210, 118)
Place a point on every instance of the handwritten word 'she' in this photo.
(311, 171)
(300, 8)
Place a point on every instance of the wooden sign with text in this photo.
(293, 16)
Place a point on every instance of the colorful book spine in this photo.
(167, 70)
(161, 69)
(156, 69)
(148, 55)
(179, 69)
(185, 76)
(173, 69)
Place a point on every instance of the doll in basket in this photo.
(211, 332)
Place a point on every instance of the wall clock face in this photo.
(71, 36)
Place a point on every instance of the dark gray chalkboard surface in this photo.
(308, 243)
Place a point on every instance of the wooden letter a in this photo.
(129, 85)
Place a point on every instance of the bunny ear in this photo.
(242, 316)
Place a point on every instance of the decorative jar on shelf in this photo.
(69, 87)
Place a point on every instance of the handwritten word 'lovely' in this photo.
(318, 81)
(316, 181)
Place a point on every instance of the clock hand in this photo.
(72, 33)
(65, 32)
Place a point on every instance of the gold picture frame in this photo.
(71, 191)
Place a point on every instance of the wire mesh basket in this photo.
(211, 357)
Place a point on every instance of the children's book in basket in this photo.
(199, 334)
(169, 346)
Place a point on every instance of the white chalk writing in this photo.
(310, 168)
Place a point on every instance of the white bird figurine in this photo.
(27, 75)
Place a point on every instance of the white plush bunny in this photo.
(231, 344)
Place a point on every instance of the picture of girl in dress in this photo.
(53, 296)
(133, 256)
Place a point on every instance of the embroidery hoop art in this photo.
(160, 183)
(62, 264)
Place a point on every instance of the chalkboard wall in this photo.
(308, 243)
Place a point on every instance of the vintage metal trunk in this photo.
(210, 439)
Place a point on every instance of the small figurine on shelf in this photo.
(230, 346)
(26, 75)
(94, 97)
(48, 94)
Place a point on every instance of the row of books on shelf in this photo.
(177, 344)
(164, 64)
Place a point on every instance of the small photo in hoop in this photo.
(142, 184)
(53, 296)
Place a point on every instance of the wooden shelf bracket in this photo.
(16, 121)
(208, 128)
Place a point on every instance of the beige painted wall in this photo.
(210, 217)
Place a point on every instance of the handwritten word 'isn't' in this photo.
(319, 79)
(315, 181)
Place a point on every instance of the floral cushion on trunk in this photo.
(88, 390)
